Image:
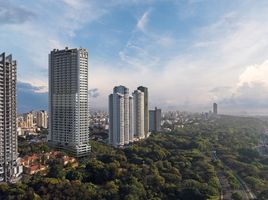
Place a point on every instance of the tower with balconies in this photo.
(68, 101)
(10, 168)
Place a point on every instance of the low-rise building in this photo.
(33, 169)
(38, 162)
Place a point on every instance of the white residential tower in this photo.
(68, 101)
(10, 168)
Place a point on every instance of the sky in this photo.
(189, 53)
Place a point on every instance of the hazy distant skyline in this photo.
(189, 53)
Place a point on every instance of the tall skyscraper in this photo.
(146, 110)
(127, 115)
(120, 117)
(131, 120)
(138, 111)
(155, 120)
(41, 119)
(111, 120)
(68, 101)
(9, 162)
(215, 108)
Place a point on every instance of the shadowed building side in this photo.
(146, 109)
(155, 120)
(138, 110)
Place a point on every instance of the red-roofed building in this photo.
(34, 169)
(29, 160)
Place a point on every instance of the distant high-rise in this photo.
(126, 116)
(138, 110)
(131, 120)
(9, 162)
(146, 110)
(120, 117)
(68, 101)
(155, 120)
(41, 119)
(28, 119)
(111, 121)
(215, 108)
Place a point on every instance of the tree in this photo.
(192, 194)
(263, 195)
(73, 175)
(132, 189)
(110, 190)
(236, 196)
(55, 170)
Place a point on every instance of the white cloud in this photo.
(222, 54)
(38, 86)
(254, 73)
(250, 93)
(77, 4)
(31, 41)
(142, 22)
(216, 59)
(166, 41)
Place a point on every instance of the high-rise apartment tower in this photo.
(146, 110)
(120, 117)
(9, 161)
(68, 101)
(215, 108)
(138, 114)
(28, 119)
(155, 120)
(127, 116)
(41, 119)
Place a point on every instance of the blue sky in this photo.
(189, 53)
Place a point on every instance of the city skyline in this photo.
(134, 99)
(201, 54)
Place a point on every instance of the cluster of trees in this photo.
(164, 166)
(235, 139)
(26, 148)
(239, 152)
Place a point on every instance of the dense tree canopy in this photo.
(174, 165)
